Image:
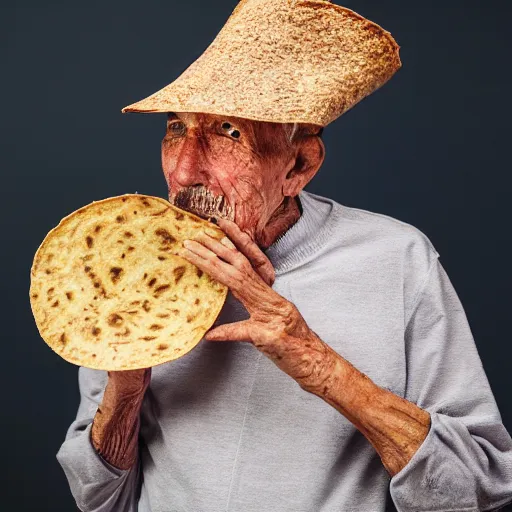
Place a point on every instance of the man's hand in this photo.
(394, 426)
(275, 326)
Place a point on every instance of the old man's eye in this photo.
(176, 128)
(227, 127)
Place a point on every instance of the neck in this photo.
(285, 216)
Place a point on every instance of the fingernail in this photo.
(186, 243)
(228, 243)
(211, 232)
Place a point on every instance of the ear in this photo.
(310, 156)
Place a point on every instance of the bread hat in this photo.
(283, 61)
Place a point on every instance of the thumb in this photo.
(236, 331)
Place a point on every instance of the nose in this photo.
(189, 164)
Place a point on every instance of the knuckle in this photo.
(245, 239)
(244, 265)
(245, 246)
(269, 267)
(241, 261)
(233, 250)
(289, 310)
(260, 261)
(213, 264)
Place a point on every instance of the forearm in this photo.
(115, 429)
(394, 426)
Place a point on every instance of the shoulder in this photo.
(378, 227)
(372, 227)
(379, 242)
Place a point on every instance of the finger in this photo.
(226, 250)
(236, 331)
(199, 249)
(247, 287)
(217, 269)
(246, 245)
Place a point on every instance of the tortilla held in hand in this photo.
(109, 288)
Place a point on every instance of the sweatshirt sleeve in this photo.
(465, 462)
(96, 485)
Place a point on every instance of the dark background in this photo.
(430, 148)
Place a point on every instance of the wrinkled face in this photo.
(221, 166)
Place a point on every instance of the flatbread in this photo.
(110, 290)
(283, 61)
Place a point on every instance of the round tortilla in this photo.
(110, 290)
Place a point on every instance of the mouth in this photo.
(201, 202)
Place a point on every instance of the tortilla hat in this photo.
(283, 61)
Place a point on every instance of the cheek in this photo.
(169, 156)
(245, 178)
(270, 176)
(232, 166)
(231, 157)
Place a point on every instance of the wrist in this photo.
(116, 446)
(130, 383)
(323, 364)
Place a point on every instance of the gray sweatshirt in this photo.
(224, 430)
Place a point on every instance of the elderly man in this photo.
(371, 380)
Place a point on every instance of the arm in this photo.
(95, 483)
(394, 426)
(467, 457)
(115, 429)
(464, 460)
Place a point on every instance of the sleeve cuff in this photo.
(94, 483)
(111, 469)
(434, 479)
